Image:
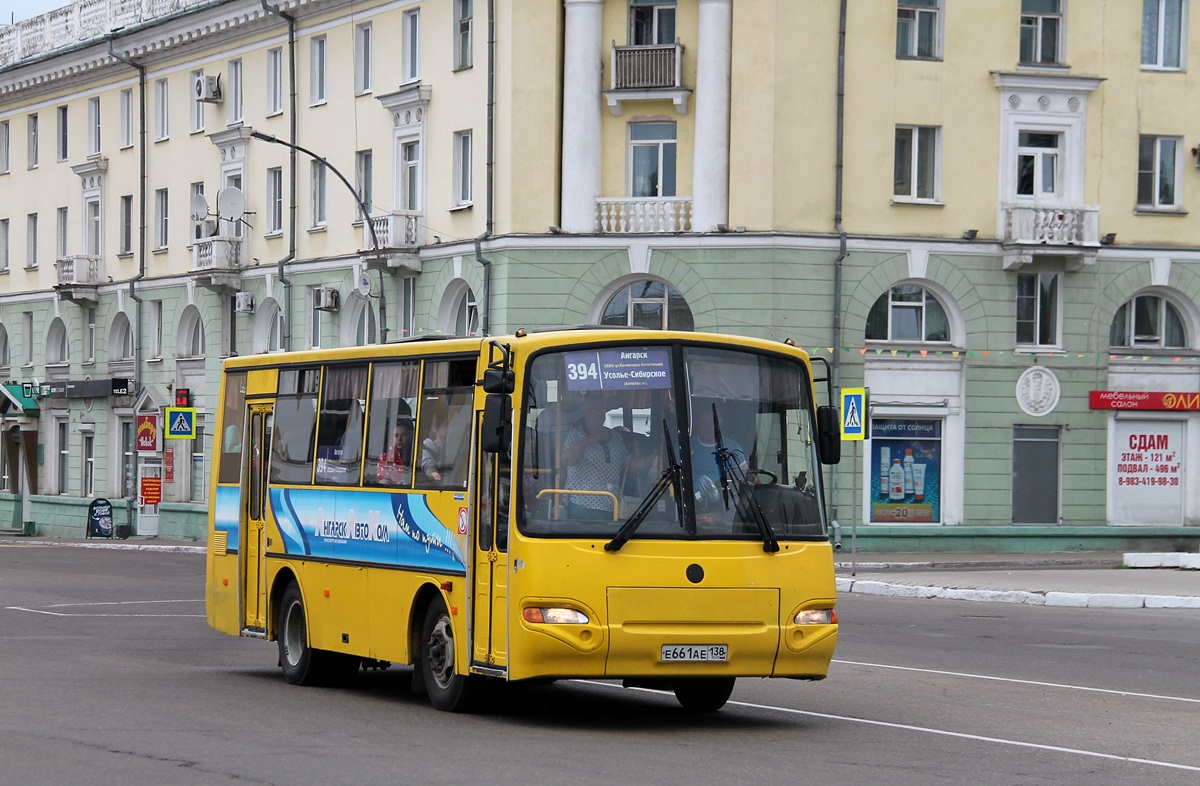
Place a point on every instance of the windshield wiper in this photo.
(730, 470)
(672, 476)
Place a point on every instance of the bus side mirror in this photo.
(498, 380)
(495, 430)
(829, 435)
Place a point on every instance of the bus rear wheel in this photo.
(303, 665)
(448, 691)
(702, 694)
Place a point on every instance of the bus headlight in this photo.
(555, 616)
(816, 617)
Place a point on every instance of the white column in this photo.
(710, 179)
(583, 55)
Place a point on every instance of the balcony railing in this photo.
(647, 67)
(398, 229)
(78, 271)
(1052, 226)
(217, 254)
(640, 214)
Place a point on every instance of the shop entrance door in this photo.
(149, 498)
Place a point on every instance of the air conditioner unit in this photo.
(202, 230)
(208, 89)
(325, 299)
(243, 302)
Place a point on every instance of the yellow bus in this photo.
(601, 503)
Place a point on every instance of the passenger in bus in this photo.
(706, 469)
(596, 459)
(433, 450)
(395, 464)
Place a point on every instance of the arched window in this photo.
(120, 339)
(4, 358)
(190, 341)
(276, 330)
(466, 314)
(1147, 321)
(364, 326)
(907, 312)
(650, 304)
(57, 350)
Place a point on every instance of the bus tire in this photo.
(703, 694)
(447, 690)
(302, 665)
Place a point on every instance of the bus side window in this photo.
(393, 386)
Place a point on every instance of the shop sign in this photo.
(100, 519)
(906, 457)
(1144, 400)
(86, 388)
(147, 433)
(169, 464)
(151, 491)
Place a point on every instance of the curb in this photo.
(112, 546)
(1091, 600)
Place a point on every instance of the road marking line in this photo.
(939, 732)
(62, 614)
(45, 609)
(122, 602)
(1063, 686)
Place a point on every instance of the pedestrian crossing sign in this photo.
(854, 413)
(181, 422)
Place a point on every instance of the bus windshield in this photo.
(692, 441)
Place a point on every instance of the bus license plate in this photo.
(694, 652)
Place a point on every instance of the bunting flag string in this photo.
(980, 354)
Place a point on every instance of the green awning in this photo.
(13, 401)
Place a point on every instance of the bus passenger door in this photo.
(490, 555)
(258, 447)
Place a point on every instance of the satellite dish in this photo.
(231, 203)
(199, 207)
(364, 285)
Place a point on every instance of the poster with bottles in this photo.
(906, 461)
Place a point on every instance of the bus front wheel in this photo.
(703, 694)
(303, 665)
(447, 690)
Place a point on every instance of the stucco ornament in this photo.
(1038, 391)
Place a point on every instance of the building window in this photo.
(89, 465)
(411, 37)
(466, 314)
(274, 200)
(462, 33)
(233, 98)
(32, 148)
(648, 304)
(197, 465)
(3, 245)
(274, 81)
(1037, 163)
(192, 345)
(317, 177)
(1038, 304)
(161, 115)
(93, 126)
(128, 458)
(407, 297)
(121, 342)
(651, 22)
(31, 241)
(364, 51)
(906, 477)
(410, 176)
(314, 325)
(1041, 31)
(364, 326)
(63, 137)
(125, 238)
(160, 219)
(27, 325)
(4, 146)
(57, 345)
(916, 165)
(462, 168)
(907, 312)
(917, 23)
(277, 331)
(92, 227)
(1162, 33)
(5, 358)
(63, 433)
(155, 329)
(317, 72)
(127, 117)
(1036, 471)
(89, 334)
(364, 180)
(196, 105)
(652, 159)
(1148, 321)
(1158, 171)
(61, 233)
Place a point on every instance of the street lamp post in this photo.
(362, 206)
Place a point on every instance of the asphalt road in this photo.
(109, 674)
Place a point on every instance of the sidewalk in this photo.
(1083, 579)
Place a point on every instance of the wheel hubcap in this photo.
(293, 633)
(441, 652)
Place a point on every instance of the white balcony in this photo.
(1073, 232)
(80, 270)
(217, 255)
(632, 215)
(647, 73)
(399, 234)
